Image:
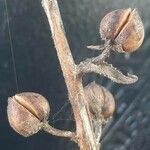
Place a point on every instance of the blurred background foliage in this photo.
(38, 70)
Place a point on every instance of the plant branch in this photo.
(84, 130)
(68, 134)
(105, 54)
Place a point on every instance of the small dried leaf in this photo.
(117, 76)
(96, 47)
(108, 71)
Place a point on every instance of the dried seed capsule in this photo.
(123, 27)
(100, 100)
(26, 112)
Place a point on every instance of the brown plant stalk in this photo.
(85, 136)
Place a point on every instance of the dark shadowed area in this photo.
(38, 70)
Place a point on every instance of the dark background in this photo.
(38, 70)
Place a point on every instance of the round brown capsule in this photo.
(100, 100)
(26, 112)
(123, 27)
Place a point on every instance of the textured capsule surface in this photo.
(26, 112)
(100, 100)
(124, 27)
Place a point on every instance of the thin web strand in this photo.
(58, 117)
(11, 47)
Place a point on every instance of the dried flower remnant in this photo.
(124, 28)
(27, 112)
(100, 100)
